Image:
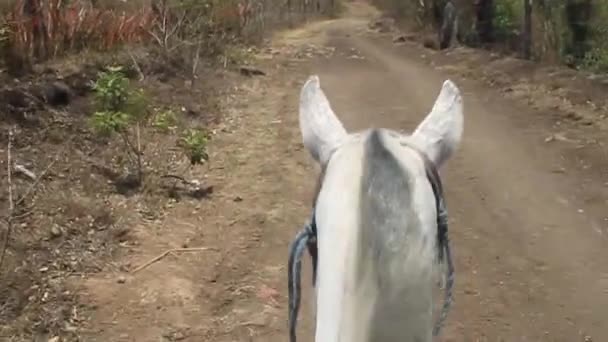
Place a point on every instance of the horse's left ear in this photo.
(439, 134)
(322, 131)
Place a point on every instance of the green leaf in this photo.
(194, 144)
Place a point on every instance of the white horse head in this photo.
(376, 220)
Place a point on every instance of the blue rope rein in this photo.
(443, 242)
(304, 238)
(445, 255)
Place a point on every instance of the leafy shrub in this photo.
(194, 144)
(506, 19)
(119, 108)
(165, 120)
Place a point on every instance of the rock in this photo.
(54, 339)
(402, 38)
(399, 39)
(382, 25)
(56, 232)
(248, 71)
(121, 280)
(15, 98)
(57, 94)
(430, 43)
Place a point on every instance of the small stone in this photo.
(121, 280)
(56, 232)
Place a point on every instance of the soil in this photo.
(527, 194)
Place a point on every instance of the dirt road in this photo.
(528, 217)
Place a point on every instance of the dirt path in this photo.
(529, 223)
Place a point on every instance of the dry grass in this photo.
(35, 30)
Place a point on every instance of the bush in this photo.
(597, 56)
(506, 19)
(165, 120)
(120, 110)
(582, 41)
(194, 144)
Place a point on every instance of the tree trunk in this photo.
(578, 14)
(526, 41)
(484, 20)
(449, 26)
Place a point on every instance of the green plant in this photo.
(108, 122)
(505, 18)
(111, 89)
(121, 110)
(596, 54)
(165, 120)
(4, 34)
(194, 145)
(596, 59)
(236, 55)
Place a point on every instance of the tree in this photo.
(484, 20)
(449, 26)
(526, 41)
(578, 15)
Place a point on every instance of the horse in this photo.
(378, 233)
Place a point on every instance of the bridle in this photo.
(307, 239)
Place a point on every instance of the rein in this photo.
(307, 239)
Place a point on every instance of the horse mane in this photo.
(385, 204)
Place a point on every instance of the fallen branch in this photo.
(11, 205)
(170, 251)
(194, 183)
(24, 171)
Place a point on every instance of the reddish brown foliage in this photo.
(44, 28)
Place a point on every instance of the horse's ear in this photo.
(322, 132)
(439, 134)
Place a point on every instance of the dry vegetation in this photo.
(573, 32)
(106, 106)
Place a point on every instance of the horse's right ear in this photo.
(322, 132)
(439, 134)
